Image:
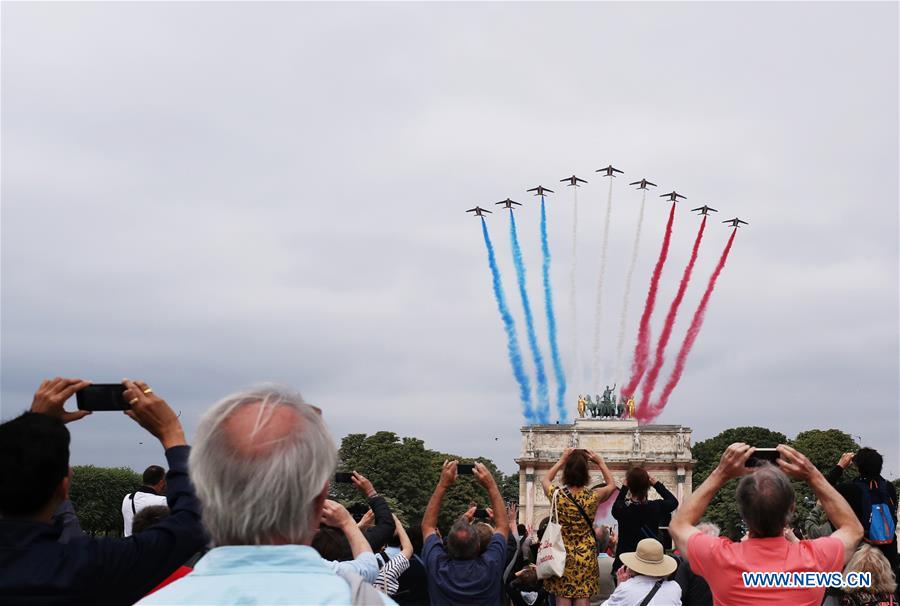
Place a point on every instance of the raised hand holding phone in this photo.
(51, 396)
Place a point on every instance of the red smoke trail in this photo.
(653, 374)
(642, 348)
(691, 336)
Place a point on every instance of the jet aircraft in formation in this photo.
(540, 190)
(673, 196)
(608, 171)
(704, 210)
(573, 180)
(642, 184)
(735, 222)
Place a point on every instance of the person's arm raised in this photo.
(430, 519)
(669, 500)
(335, 514)
(153, 414)
(134, 565)
(848, 530)
(685, 518)
(484, 477)
(383, 529)
(406, 546)
(547, 480)
(50, 398)
(603, 492)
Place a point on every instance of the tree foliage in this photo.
(823, 447)
(406, 472)
(722, 509)
(97, 493)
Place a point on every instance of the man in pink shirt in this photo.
(765, 500)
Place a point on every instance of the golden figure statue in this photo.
(581, 406)
(629, 408)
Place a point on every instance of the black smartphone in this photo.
(481, 514)
(343, 477)
(762, 454)
(102, 396)
(465, 469)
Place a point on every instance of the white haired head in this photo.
(261, 463)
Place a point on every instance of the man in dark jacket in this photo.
(34, 481)
(865, 489)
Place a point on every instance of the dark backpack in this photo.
(878, 508)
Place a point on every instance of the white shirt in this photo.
(141, 500)
(633, 591)
(364, 565)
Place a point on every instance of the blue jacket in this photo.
(36, 569)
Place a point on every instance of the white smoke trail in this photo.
(623, 319)
(573, 305)
(598, 317)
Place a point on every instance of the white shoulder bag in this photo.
(551, 555)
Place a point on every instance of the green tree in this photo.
(824, 447)
(97, 493)
(723, 509)
(510, 488)
(406, 472)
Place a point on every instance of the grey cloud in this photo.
(210, 195)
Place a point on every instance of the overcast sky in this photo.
(205, 196)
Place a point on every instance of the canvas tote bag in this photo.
(551, 556)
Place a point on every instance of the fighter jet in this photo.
(540, 189)
(608, 171)
(642, 184)
(508, 203)
(479, 212)
(573, 180)
(735, 222)
(673, 196)
(704, 210)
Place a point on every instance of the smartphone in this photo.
(102, 396)
(762, 454)
(481, 514)
(465, 469)
(343, 477)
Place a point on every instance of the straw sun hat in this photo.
(649, 559)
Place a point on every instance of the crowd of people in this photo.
(243, 516)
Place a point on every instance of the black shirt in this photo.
(640, 520)
(37, 569)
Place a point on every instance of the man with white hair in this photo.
(261, 465)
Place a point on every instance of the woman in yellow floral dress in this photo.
(581, 577)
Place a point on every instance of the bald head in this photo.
(261, 464)
(255, 429)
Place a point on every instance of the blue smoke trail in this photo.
(551, 324)
(543, 406)
(512, 344)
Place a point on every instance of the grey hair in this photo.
(765, 500)
(269, 494)
(463, 542)
(709, 528)
(602, 534)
